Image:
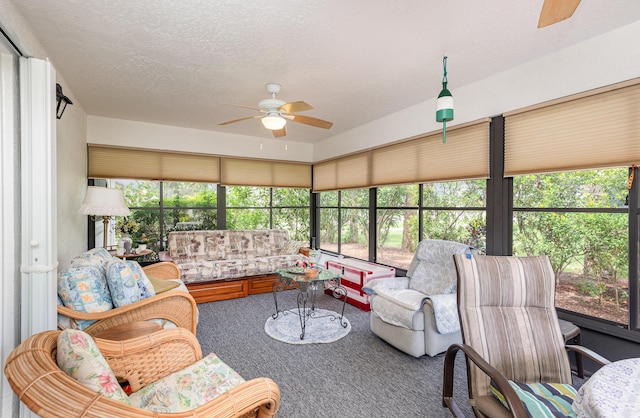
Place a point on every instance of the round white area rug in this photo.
(323, 327)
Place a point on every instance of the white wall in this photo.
(597, 62)
(71, 144)
(72, 179)
(71, 185)
(148, 135)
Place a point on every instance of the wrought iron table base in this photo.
(307, 295)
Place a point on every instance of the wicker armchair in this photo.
(175, 306)
(43, 387)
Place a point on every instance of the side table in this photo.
(129, 331)
(132, 255)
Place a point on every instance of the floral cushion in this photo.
(97, 257)
(144, 284)
(189, 388)
(541, 399)
(79, 357)
(84, 289)
(123, 283)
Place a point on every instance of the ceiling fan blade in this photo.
(279, 133)
(246, 107)
(239, 120)
(308, 120)
(294, 107)
(554, 11)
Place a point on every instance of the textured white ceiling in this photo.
(181, 62)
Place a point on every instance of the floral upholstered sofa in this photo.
(224, 264)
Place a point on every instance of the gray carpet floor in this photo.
(358, 376)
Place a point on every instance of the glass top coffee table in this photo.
(307, 289)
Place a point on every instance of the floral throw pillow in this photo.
(123, 283)
(144, 284)
(189, 388)
(84, 289)
(79, 357)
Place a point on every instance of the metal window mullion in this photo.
(634, 287)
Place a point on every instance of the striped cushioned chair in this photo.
(510, 332)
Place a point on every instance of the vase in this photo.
(125, 243)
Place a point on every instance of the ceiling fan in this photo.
(275, 113)
(554, 11)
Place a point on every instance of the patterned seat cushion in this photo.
(230, 254)
(189, 388)
(541, 399)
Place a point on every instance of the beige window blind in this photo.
(464, 156)
(593, 130)
(126, 163)
(248, 172)
(350, 172)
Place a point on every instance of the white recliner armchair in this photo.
(418, 313)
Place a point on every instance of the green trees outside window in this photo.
(577, 218)
(580, 221)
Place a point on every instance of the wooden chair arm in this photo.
(154, 355)
(261, 394)
(176, 306)
(515, 405)
(163, 270)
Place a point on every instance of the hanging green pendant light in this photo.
(444, 105)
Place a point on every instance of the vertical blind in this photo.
(592, 130)
(464, 156)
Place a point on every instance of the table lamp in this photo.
(105, 202)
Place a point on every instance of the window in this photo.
(180, 205)
(264, 207)
(455, 211)
(354, 223)
(397, 224)
(344, 222)
(580, 221)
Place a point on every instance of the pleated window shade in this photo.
(124, 163)
(593, 130)
(464, 156)
(247, 172)
(348, 172)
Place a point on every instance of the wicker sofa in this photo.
(226, 264)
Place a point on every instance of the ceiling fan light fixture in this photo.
(274, 122)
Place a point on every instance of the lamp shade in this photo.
(103, 201)
(274, 122)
